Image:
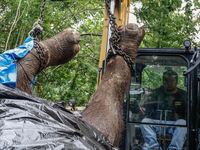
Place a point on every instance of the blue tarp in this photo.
(8, 65)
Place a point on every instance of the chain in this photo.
(42, 10)
(35, 32)
(114, 40)
(37, 29)
(37, 46)
(41, 58)
(40, 52)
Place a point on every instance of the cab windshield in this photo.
(157, 99)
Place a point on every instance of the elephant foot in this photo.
(62, 47)
(130, 38)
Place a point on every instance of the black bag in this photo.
(29, 122)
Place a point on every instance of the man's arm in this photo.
(147, 106)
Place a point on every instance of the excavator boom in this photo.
(120, 8)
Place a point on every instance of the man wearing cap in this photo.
(166, 105)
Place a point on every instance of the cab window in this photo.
(157, 100)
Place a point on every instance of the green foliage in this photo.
(153, 80)
(167, 23)
(76, 79)
(164, 23)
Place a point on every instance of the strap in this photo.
(35, 55)
(25, 73)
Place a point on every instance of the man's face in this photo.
(169, 83)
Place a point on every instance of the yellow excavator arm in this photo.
(121, 11)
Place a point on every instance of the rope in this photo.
(25, 73)
(35, 32)
(37, 29)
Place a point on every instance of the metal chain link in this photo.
(42, 10)
(40, 52)
(37, 29)
(35, 32)
(114, 40)
(37, 46)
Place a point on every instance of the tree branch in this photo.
(91, 42)
(198, 17)
(70, 21)
(15, 22)
(52, 69)
(196, 44)
(57, 23)
(45, 75)
(92, 34)
(78, 12)
(95, 8)
(18, 36)
(133, 13)
(89, 48)
(55, 26)
(87, 55)
(83, 56)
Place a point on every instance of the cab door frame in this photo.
(192, 90)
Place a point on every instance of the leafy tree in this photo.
(76, 79)
(168, 22)
(164, 22)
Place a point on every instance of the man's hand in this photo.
(142, 111)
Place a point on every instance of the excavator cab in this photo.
(163, 120)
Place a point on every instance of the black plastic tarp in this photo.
(29, 122)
